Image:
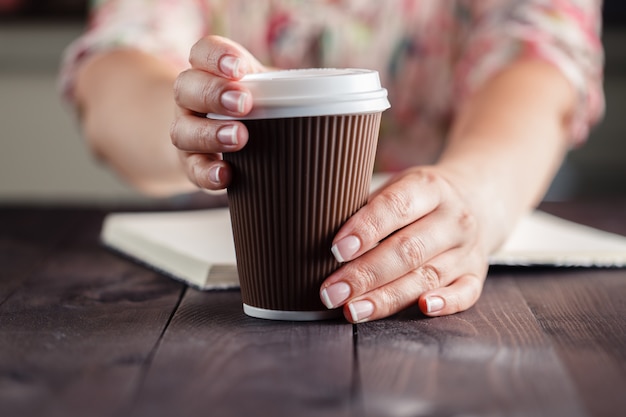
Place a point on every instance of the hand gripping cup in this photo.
(305, 170)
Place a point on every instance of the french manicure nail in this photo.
(361, 310)
(214, 174)
(232, 66)
(227, 135)
(346, 248)
(434, 304)
(234, 100)
(335, 294)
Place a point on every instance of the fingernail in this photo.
(434, 304)
(214, 174)
(361, 310)
(346, 248)
(227, 135)
(335, 294)
(232, 66)
(234, 100)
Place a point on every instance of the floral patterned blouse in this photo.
(430, 53)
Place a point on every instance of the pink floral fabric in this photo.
(431, 54)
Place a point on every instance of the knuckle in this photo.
(432, 278)
(195, 47)
(426, 177)
(174, 129)
(201, 132)
(396, 202)
(466, 221)
(178, 86)
(191, 134)
(364, 277)
(207, 95)
(391, 298)
(411, 250)
(371, 227)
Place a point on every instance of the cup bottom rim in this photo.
(290, 315)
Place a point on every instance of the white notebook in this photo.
(196, 247)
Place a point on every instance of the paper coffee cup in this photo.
(305, 170)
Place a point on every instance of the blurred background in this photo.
(44, 160)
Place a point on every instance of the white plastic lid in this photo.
(313, 92)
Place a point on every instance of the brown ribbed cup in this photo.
(294, 184)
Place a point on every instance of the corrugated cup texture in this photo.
(295, 183)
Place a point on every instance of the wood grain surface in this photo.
(84, 332)
(215, 359)
(76, 334)
(493, 359)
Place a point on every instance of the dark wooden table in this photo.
(84, 332)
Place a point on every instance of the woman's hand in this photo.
(211, 86)
(416, 241)
(426, 236)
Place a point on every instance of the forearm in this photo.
(126, 105)
(507, 143)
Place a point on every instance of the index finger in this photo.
(222, 57)
(399, 204)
